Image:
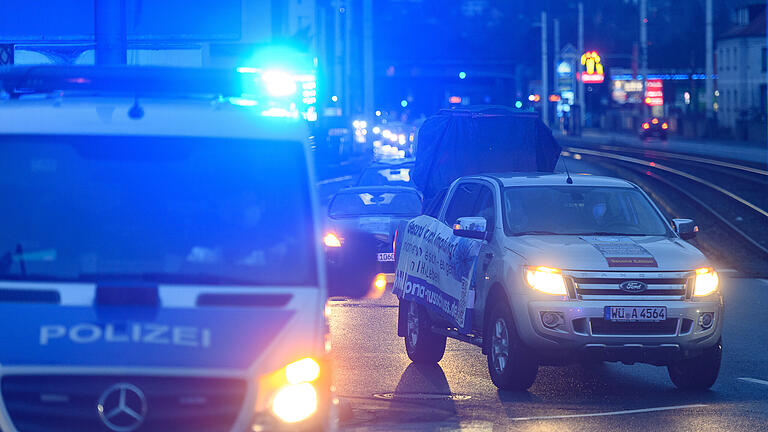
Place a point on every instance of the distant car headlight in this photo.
(545, 279)
(331, 240)
(706, 282)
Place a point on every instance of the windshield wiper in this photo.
(522, 233)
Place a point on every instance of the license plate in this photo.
(386, 257)
(635, 313)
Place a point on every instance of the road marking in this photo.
(755, 380)
(335, 180)
(612, 413)
(691, 158)
(673, 171)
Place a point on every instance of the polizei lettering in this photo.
(144, 333)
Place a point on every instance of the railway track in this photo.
(733, 194)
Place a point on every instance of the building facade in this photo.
(741, 67)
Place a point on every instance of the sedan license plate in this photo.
(386, 257)
(635, 313)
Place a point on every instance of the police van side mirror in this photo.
(352, 267)
(471, 227)
(685, 228)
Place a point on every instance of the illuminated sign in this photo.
(593, 69)
(654, 94)
(454, 99)
(554, 98)
(627, 91)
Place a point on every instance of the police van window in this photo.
(165, 210)
(462, 203)
(486, 207)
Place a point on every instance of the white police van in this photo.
(160, 259)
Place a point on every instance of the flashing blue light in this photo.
(279, 112)
(244, 69)
(403, 103)
(518, 104)
(279, 83)
(462, 75)
(242, 101)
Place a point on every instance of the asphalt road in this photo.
(381, 390)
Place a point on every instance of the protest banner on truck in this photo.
(436, 269)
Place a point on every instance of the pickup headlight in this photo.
(706, 282)
(545, 279)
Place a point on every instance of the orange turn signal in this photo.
(331, 240)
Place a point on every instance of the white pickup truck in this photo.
(566, 270)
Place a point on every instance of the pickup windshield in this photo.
(580, 210)
(163, 209)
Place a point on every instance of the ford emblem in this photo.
(633, 287)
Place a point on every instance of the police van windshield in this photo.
(575, 210)
(169, 210)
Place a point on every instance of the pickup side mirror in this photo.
(471, 227)
(685, 228)
(352, 267)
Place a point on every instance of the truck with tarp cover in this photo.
(483, 139)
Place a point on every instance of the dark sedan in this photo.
(654, 128)
(375, 210)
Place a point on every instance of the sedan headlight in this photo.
(332, 240)
(545, 279)
(706, 282)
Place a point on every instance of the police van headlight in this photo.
(290, 395)
(297, 399)
(295, 402)
(545, 279)
(706, 282)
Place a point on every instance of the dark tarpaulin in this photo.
(483, 139)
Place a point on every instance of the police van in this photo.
(160, 259)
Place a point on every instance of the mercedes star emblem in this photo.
(122, 407)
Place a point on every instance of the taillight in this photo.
(394, 242)
(655, 121)
(664, 126)
(646, 125)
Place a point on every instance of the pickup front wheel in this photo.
(421, 343)
(510, 366)
(697, 373)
